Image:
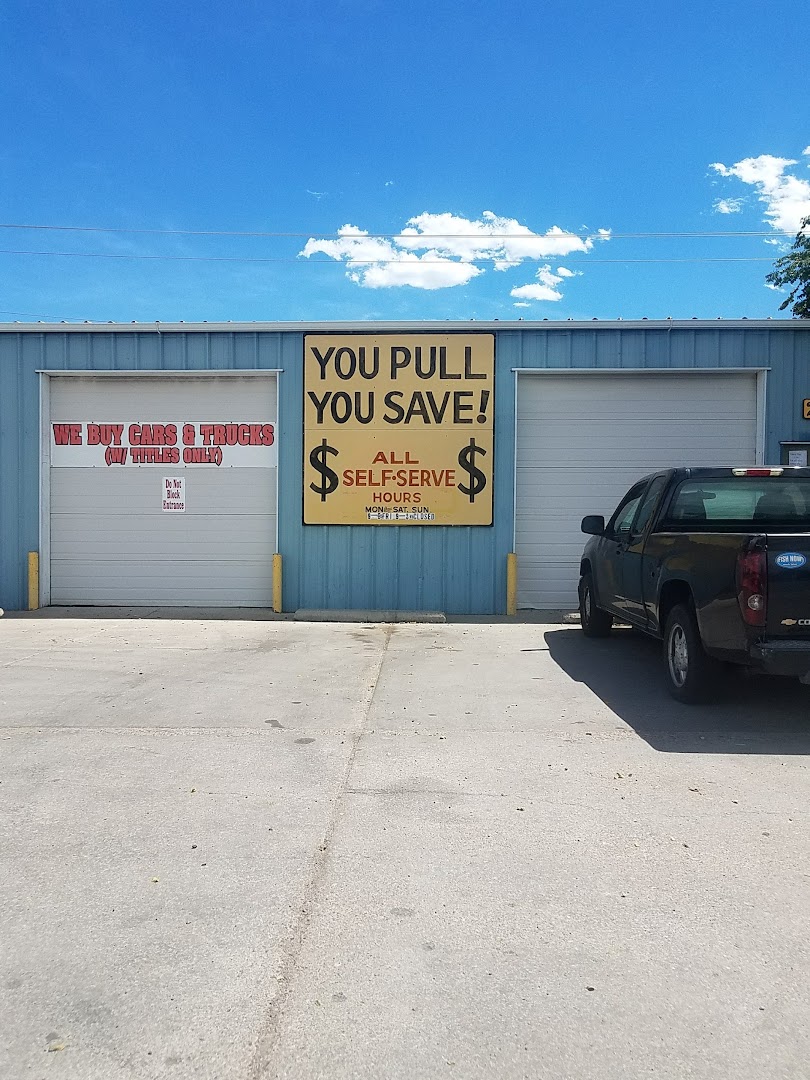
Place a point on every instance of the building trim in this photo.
(45, 461)
(159, 373)
(434, 327)
(516, 372)
(753, 370)
(762, 415)
(44, 492)
(761, 374)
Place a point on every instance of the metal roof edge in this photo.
(437, 326)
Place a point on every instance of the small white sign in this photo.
(174, 494)
(797, 457)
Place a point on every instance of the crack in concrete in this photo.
(267, 1038)
(47, 646)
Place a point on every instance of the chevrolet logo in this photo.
(789, 622)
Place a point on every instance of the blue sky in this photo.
(511, 147)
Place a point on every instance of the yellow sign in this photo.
(806, 408)
(398, 429)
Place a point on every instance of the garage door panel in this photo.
(571, 462)
(180, 549)
(553, 413)
(564, 507)
(130, 509)
(705, 411)
(225, 399)
(547, 548)
(111, 541)
(637, 434)
(93, 581)
(128, 505)
(182, 529)
(121, 515)
(631, 396)
(139, 490)
(556, 578)
(237, 594)
(662, 437)
(187, 573)
(644, 460)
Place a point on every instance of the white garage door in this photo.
(162, 490)
(583, 440)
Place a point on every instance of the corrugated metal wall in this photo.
(460, 570)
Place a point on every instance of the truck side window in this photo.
(623, 518)
(649, 504)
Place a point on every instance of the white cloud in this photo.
(521, 303)
(377, 264)
(728, 206)
(806, 150)
(421, 272)
(786, 197)
(545, 289)
(503, 240)
(438, 251)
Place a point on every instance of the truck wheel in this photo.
(692, 675)
(595, 622)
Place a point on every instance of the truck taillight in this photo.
(752, 585)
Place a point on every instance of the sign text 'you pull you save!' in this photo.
(398, 429)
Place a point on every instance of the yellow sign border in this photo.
(437, 386)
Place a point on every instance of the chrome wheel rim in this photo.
(678, 655)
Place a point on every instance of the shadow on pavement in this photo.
(752, 714)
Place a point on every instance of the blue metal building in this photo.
(459, 568)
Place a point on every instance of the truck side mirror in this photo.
(594, 524)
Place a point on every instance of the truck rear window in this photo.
(741, 503)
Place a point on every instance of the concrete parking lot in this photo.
(265, 850)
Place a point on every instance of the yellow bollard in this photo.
(511, 583)
(277, 583)
(33, 580)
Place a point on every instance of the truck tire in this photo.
(692, 675)
(595, 622)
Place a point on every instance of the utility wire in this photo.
(410, 237)
(355, 262)
(40, 315)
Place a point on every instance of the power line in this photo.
(41, 315)
(355, 262)
(409, 237)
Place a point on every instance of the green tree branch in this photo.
(793, 270)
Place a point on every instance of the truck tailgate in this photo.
(788, 612)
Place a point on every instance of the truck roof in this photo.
(740, 471)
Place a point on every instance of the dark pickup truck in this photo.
(716, 562)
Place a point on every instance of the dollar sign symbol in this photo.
(466, 460)
(329, 478)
